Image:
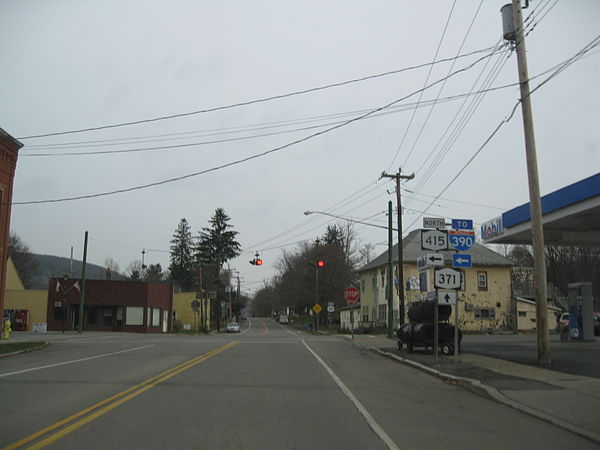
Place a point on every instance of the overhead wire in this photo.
(412, 117)
(254, 156)
(245, 103)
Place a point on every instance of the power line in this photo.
(426, 81)
(252, 157)
(250, 102)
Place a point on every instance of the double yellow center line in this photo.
(93, 412)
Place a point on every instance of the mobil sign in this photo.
(492, 228)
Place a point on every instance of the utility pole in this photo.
(398, 176)
(390, 289)
(82, 291)
(537, 228)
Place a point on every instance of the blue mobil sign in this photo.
(461, 260)
(462, 224)
(461, 240)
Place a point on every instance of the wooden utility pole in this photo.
(537, 228)
(398, 177)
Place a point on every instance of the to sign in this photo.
(462, 224)
(434, 240)
(351, 294)
(447, 278)
(461, 240)
(434, 222)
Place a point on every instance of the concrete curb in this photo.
(38, 347)
(483, 390)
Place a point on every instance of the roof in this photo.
(531, 302)
(570, 215)
(481, 255)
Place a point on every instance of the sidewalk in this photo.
(569, 401)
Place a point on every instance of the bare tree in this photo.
(111, 267)
(134, 270)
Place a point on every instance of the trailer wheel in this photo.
(399, 345)
(447, 349)
(409, 347)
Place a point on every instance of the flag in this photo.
(57, 285)
(76, 286)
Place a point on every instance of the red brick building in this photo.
(9, 151)
(131, 306)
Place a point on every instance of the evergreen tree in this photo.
(182, 266)
(154, 273)
(217, 244)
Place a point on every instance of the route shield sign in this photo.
(461, 240)
(447, 278)
(434, 240)
(462, 260)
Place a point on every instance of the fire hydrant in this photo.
(6, 329)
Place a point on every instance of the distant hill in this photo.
(49, 266)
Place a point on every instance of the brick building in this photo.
(131, 306)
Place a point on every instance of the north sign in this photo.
(434, 222)
(461, 240)
(434, 240)
(462, 260)
(447, 278)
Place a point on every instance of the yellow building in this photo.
(184, 316)
(23, 307)
(526, 315)
(485, 297)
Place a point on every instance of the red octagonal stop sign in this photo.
(351, 294)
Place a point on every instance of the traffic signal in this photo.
(256, 261)
(259, 262)
(320, 263)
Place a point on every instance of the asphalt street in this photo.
(268, 387)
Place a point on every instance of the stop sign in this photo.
(351, 294)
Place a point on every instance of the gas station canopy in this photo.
(571, 216)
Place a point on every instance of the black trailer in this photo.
(420, 330)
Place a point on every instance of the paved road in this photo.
(267, 388)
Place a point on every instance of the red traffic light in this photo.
(320, 263)
(259, 262)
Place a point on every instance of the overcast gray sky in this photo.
(70, 65)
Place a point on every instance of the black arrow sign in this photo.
(435, 258)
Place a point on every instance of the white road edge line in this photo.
(291, 332)
(249, 326)
(368, 417)
(2, 375)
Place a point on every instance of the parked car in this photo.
(596, 324)
(563, 322)
(283, 319)
(233, 327)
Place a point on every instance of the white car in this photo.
(233, 327)
(283, 319)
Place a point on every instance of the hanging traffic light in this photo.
(320, 263)
(256, 261)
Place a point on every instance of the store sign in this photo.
(492, 228)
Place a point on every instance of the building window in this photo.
(482, 281)
(381, 314)
(134, 315)
(92, 315)
(485, 313)
(156, 317)
(362, 286)
(374, 282)
(108, 317)
(522, 313)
